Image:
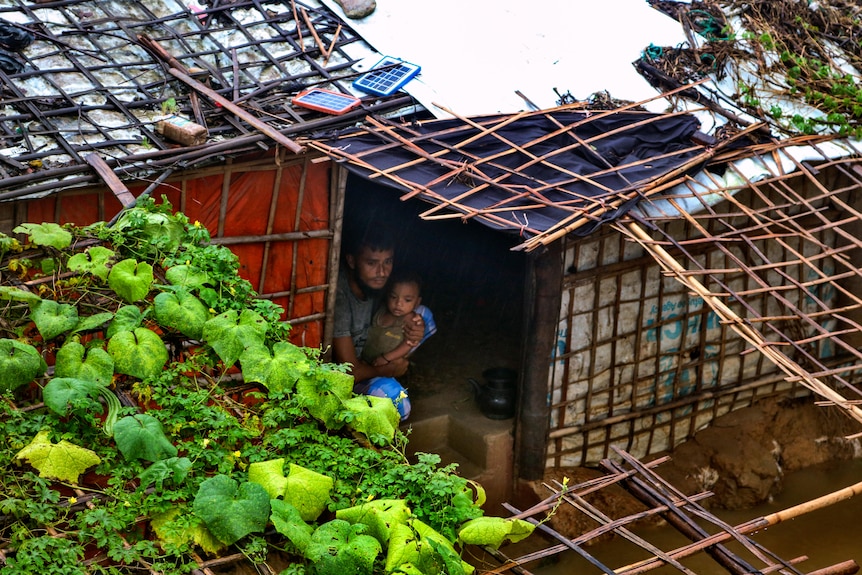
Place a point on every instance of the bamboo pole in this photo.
(791, 368)
(748, 527)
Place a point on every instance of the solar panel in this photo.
(327, 101)
(387, 76)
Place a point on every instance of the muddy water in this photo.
(826, 536)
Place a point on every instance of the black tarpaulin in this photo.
(533, 173)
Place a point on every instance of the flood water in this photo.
(826, 536)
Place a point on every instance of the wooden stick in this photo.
(320, 45)
(298, 27)
(258, 124)
(110, 178)
(332, 45)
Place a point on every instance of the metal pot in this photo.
(497, 397)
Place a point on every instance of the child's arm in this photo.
(401, 351)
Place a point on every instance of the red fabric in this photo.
(247, 213)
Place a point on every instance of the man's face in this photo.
(371, 268)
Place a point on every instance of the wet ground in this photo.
(827, 536)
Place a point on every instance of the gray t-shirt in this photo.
(352, 315)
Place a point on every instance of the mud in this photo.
(741, 458)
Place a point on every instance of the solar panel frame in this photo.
(327, 101)
(387, 76)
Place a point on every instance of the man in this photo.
(367, 267)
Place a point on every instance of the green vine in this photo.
(149, 312)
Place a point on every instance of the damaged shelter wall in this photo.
(274, 214)
(641, 363)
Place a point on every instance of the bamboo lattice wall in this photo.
(644, 359)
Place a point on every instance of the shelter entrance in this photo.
(473, 283)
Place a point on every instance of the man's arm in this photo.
(343, 351)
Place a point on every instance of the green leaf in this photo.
(17, 294)
(379, 516)
(162, 230)
(404, 548)
(269, 475)
(46, 234)
(162, 524)
(187, 276)
(231, 510)
(52, 318)
(230, 336)
(494, 531)
(337, 547)
(20, 363)
(94, 261)
(64, 461)
(278, 371)
(173, 469)
(60, 392)
(441, 547)
(141, 436)
(308, 491)
(89, 363)
(375, 417)
(95, 321)
(181, 311)
(287, 521)
(131, 279)
(323, 392)
(140, 353)
(127, 318)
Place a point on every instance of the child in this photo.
(386, 341)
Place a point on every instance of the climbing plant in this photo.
(155, 414)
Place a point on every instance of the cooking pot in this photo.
(497, 397)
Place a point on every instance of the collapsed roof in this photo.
(98, 77)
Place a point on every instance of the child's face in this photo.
(403, 298)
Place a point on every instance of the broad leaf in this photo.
(494, 531)
(269, 475)
(60, 392)
(230, 335)
(20, 363)
(17, 294)
(141, 436)
(287, 521)
(127, 318)
(162, 231)
(375, 417)
(338, 547)
(64, 461)
(172, 469)
(379, 516)
(162, 524)
(131, 279)
(186, 276)
(52, 318)
(95, 321)
(231, 510)
(94, 261)
(323, 393)
(46, 234)
(92, 364)
(308, 491)
(406, 548)
(140, 353)
(181, 311)
(278, 371)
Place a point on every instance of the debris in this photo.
(356, 9)
(182, 131)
